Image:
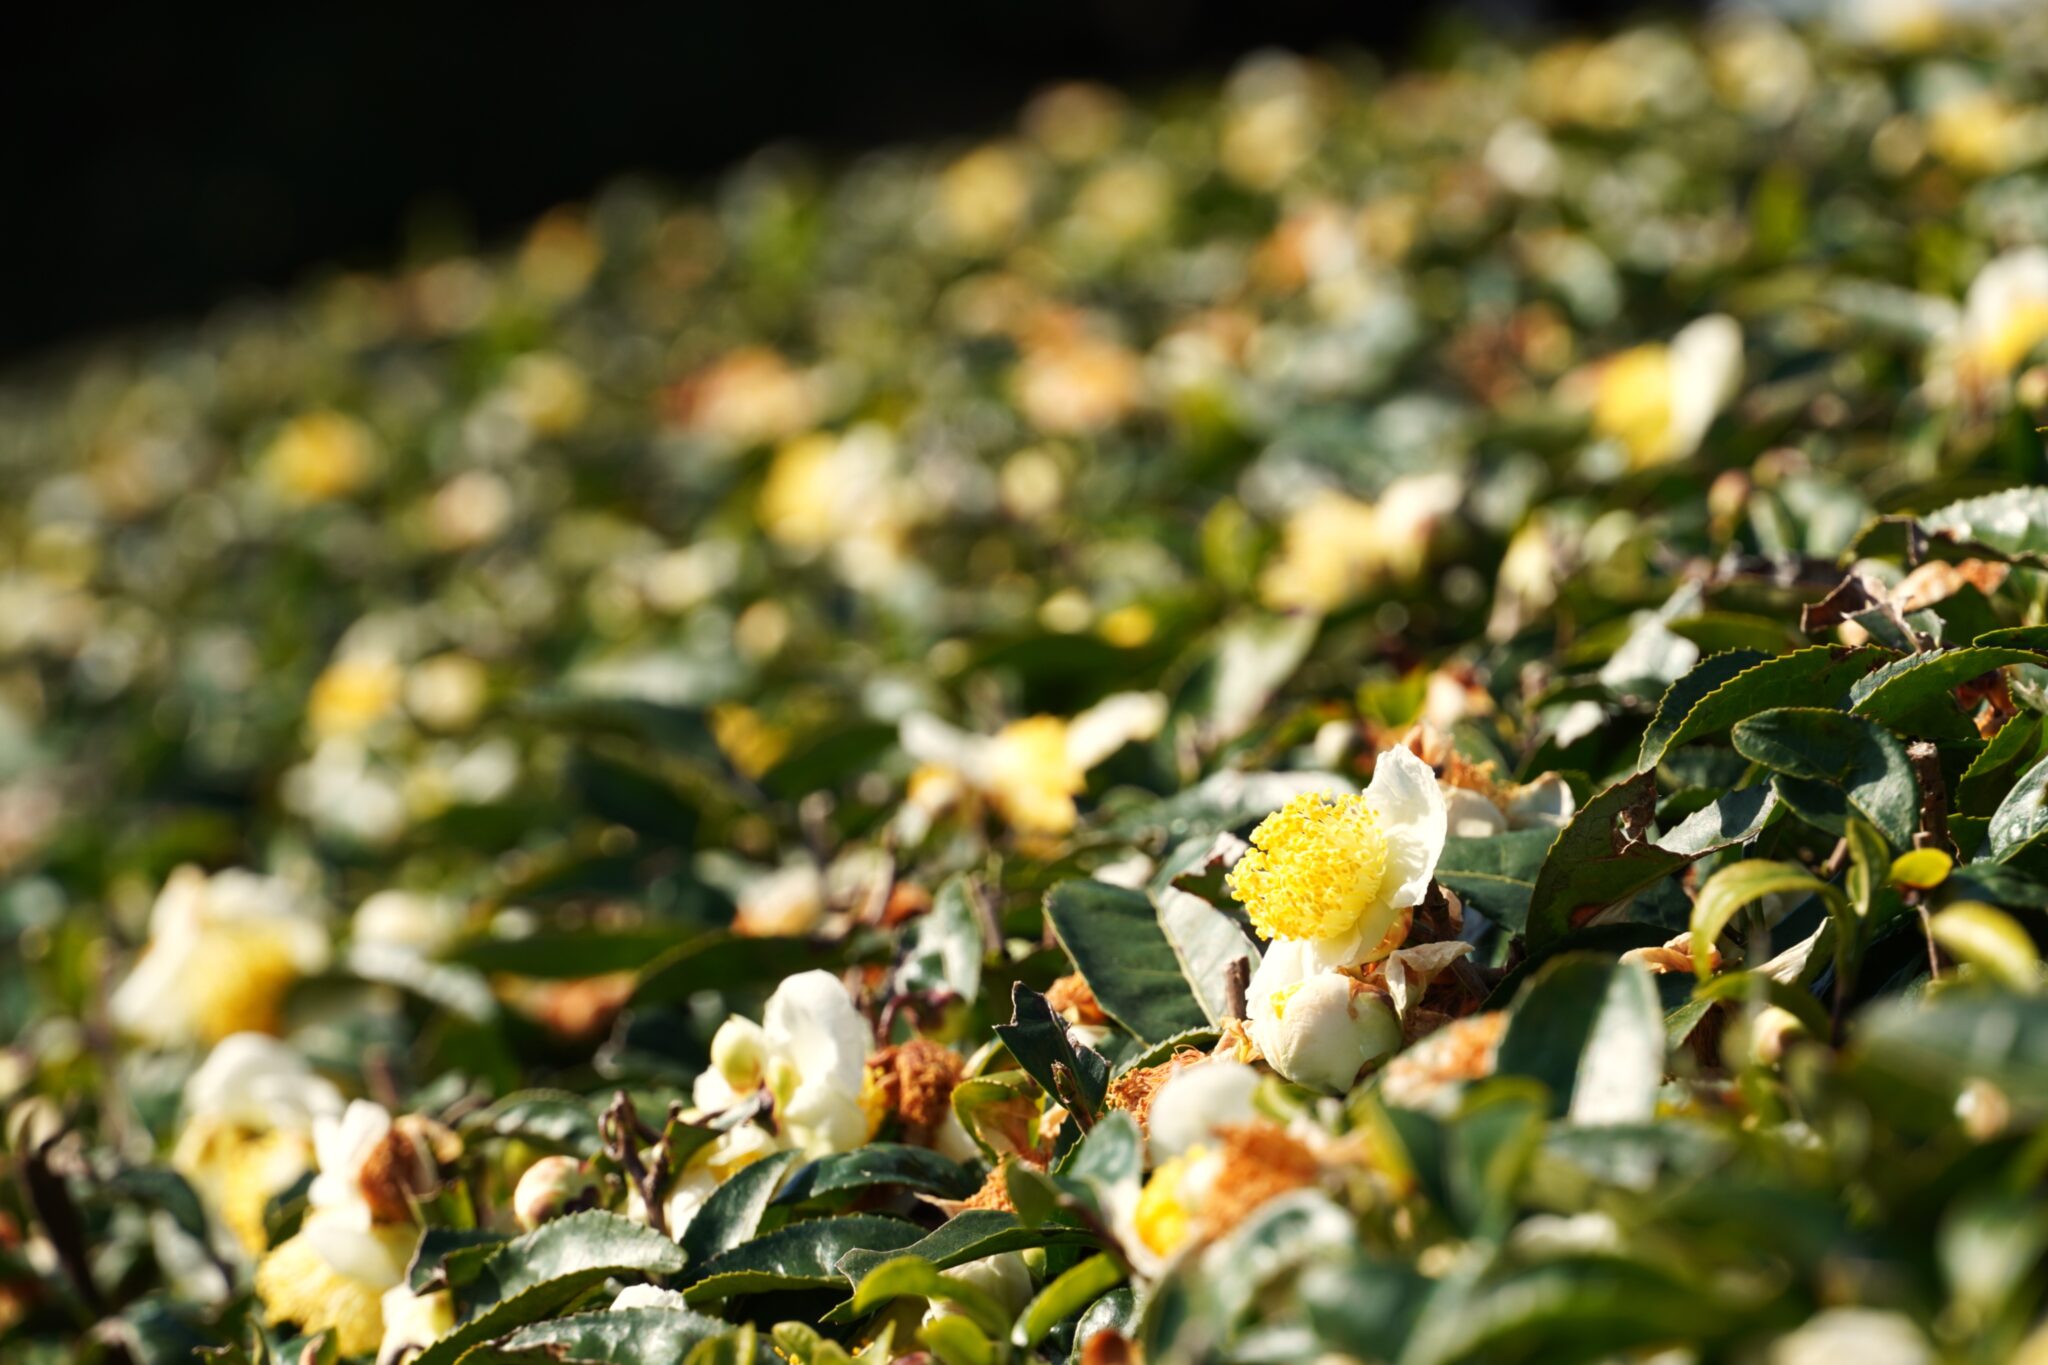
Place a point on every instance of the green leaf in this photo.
(2020, 823)
(1990, 940)
(1043, 1046)
(715, 961)
(1112, 934)
(1730, 687)
(1593, 863)
(1992, 772)
(1746, 985)
(1911, 1048)
(916, 1278)
(1205, 941)
(430, 1267)
(955, 1340)
(163, 1188)
(1916, 694)
(1683, 695)
(971, 1235)
(734, 1346)
(1592, 1031)
(800, 1256)
(1571, 1308)
(1496, 874)
(1065, 1296)
(2012, 525)
(733, 1212)
(877, 1164)
(626, 1336)
(944, 947)
(1831, 764)
(1745, 883)
(552, 1120)
(543, 1272)
(1247, 661)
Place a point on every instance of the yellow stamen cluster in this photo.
(1314, 867)
(1163, 1219)
(243, 1168)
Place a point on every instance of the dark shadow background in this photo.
(158, 160)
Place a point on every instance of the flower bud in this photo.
(739, 1053)
(551, 1187)
(1321, 1031)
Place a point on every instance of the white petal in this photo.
(1405, 795)
(260, 1082)
(1287, 961)
(1111, 723)
(928, 739)
(1546, 803)
(1195, 1101)
(1706, 371)
(810, 1019)
(1472, 816)
(370, 1259)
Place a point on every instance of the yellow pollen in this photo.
(1279, 999)
(1314, 868)
(1163, 1221)
(242, 1169)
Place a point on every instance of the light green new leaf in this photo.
(1990, 940)
(1745, 883)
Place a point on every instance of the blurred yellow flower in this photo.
(353, 694)
(984, 198)
(222, 952)
(1658, 400)
(1335, 547)
(320, 456)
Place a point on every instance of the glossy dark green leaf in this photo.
(799, 1256)
(1591, 1030)
(539, 1274)
(627, 1336)
(1043, 1045)
(1915, 694)
(880, 1164)
(1112, 934)
(552, 1120)
(2019, 827)
(970, 1235)
(1832, 765)
(1496, 874)
(733, 1212)
(1729, 687)
(1603, 856)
